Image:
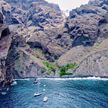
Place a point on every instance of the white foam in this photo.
(26, 79)
(14, 83)
(77, 78)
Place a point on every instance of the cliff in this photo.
(87, 26)
(5, 43)
(45, 44)
(36, 25)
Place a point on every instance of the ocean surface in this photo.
(61, 93)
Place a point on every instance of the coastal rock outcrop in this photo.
(5, 42)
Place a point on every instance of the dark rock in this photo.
(99, 3)
(5, 41)
(81, 40)
(83, 23)
(5, 32)
(15, 21)
(1, 18)
(40, 25)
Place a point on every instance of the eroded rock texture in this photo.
(5, 42)
(87, 28)
(88, 22)
(40, 32)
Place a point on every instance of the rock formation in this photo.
(5, 42)
(87, 23)
(39, 33)
(87, 26)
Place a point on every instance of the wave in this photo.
(14, 83)
(76, 78)
(26, 79)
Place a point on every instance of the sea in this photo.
(88, 92)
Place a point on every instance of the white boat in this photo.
(45, 99)
(35, 81)
(3, 93)
(37, 94)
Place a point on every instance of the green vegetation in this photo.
(50, 67)
(63, 70)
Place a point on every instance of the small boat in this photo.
(35, 81)
(3, 93)
(45, 99)
(37, 94)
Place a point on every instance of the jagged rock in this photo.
(40, 25)
(37, 21)
(84, 23)
(98, 2)
(5, 42)
(1, 18)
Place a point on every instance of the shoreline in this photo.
(72, 78)
(56, 79)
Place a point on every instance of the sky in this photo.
(68, 4)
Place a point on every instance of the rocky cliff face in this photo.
(87, 26)
(87, 23)
(42, 36)
(36, 25)
(5, 43)
(39, 22)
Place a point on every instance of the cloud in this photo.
(68, 4)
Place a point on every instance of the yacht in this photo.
(38, 93)
(45, 99)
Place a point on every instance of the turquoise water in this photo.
(61, 94)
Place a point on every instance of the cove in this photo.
(61, 93)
